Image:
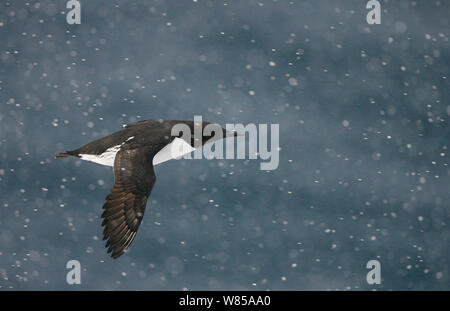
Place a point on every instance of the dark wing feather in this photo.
(125, 205)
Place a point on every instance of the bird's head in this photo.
(198, 134)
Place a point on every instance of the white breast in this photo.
(176, 149)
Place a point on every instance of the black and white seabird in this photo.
(132, 152)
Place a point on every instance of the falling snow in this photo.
(364, 136)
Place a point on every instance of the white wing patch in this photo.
(107, 157)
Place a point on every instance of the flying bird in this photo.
(132, 152)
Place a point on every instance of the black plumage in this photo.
(134, 176)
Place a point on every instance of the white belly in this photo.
(176, 149)
(106, 158)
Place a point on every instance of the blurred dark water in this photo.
(364, 136)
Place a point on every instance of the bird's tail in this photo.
(66, 154)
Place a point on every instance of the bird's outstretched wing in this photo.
(125, 205)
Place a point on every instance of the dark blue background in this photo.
(364, 136)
